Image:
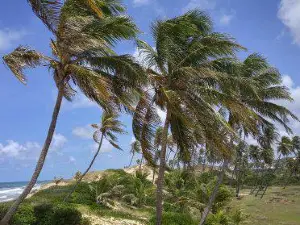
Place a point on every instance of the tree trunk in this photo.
(131, 160)
(161, 172)
(87, 170)
(39, 166)
(214, 193)
(153, 176)
(141, 163)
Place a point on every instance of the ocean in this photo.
(11, 190)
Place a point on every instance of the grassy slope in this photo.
(279, 206)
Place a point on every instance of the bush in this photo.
(24, 215)
(47, 214)
(220, 218)
(63, 215)
(175, 219)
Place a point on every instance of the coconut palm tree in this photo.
(83, 34)
(109, 126)
(285, 147)
(135, 148)
(183, 69)
(260, 84)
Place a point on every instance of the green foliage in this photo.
(187, 190)
(170, 218)
(45, 214)
(48, 214)
(24, 215)
(219, 218)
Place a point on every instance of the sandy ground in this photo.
(96, 220)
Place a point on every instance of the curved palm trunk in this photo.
(87, 170)
(213, 196)
(161, 172)
(40, 162)
(131, 160)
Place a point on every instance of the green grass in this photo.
(279, 206)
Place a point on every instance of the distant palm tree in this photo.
(109, 126)
(84, 33)
(183, 69)
(285, 147)
(135, 148)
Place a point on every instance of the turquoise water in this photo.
(11, 190)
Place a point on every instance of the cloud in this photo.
(106, 147)
(85, 132)
(289, 14)
(227, 18)
(58, 142)
(16, 150)
(295, 105)
(287, 81)
(201, 4)
(72, 160)
(80, 101)
(140, 2)
(8, 37)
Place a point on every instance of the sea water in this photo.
(11, 190)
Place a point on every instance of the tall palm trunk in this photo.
(131, 159)
(214, 193)
(161, 172)
(141, 163)
(87, 170)
(41, 160)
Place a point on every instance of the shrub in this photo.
(48, 214)
(220, 218)
(175, 219)
(63, 215)
(43, 213)
(24, 215)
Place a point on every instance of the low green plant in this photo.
(171, 218)
(24, 215)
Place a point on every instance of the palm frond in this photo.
(22, 58)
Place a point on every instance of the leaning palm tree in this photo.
(83, 34)
(260, 84)
(135, 148)
(183, 69)
(109, 126)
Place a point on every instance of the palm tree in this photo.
(83, 34)
(110, 126)
(183, 69)
(259, 85)
(135, 148)
(284, 147)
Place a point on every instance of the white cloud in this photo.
(140, 2)
(14, 149)
(85, 132)
(106, 147)
(227, 18)
(81, 101)
(72, 160)
(295, 105)
(289, 14)
(8, 37)
(58, 142)
(201, 4)
(287, 81)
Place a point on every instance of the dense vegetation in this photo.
(185, 194)
(212, 99)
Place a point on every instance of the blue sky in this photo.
(270, 27)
